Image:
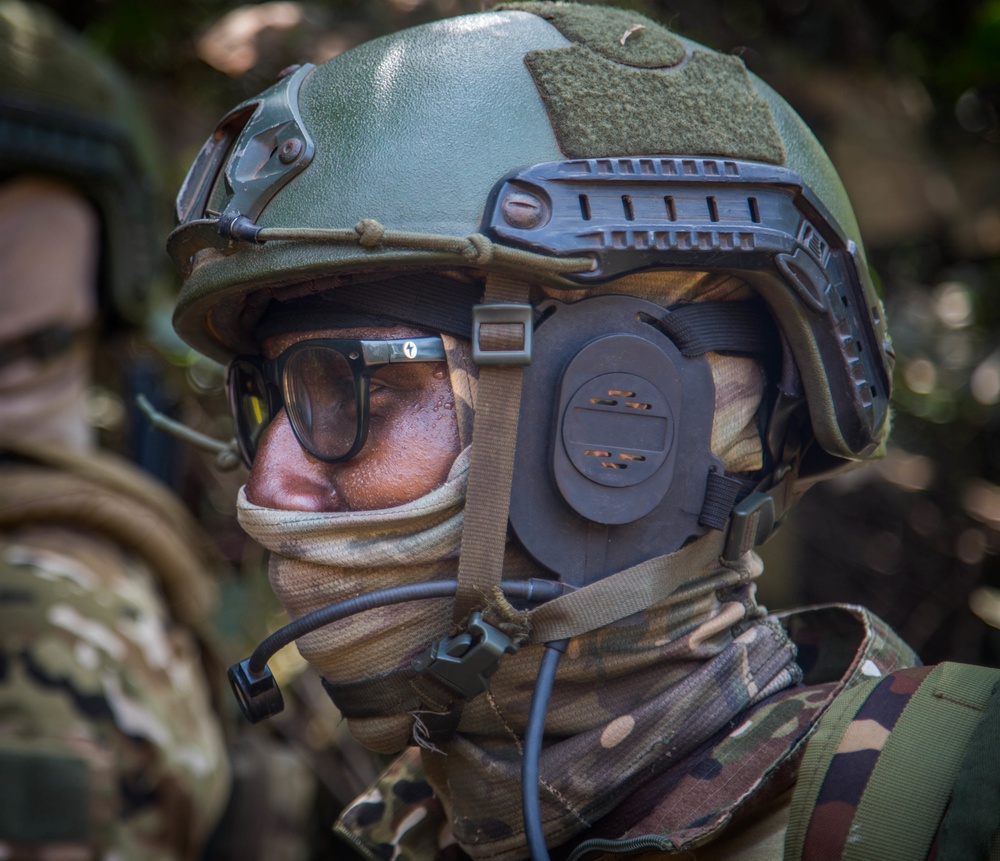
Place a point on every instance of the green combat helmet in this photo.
(557, 150)
(527, 143)
(65, 112)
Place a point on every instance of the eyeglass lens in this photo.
(250, 406)
(324, 391)
(321, 400)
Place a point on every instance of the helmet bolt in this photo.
(522, 210)
(290, 150)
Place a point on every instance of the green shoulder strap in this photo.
(890, 757)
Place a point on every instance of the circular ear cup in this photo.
(613, 455)
(616, 430)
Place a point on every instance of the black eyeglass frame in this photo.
(362, 356)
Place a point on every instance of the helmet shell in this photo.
(416, 130)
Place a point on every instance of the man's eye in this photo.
(397, 379)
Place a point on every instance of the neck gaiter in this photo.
(318, 558)
(628, 698)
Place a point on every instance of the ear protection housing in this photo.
(613, 469)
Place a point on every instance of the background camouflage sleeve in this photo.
(108, 744)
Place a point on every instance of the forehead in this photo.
(273, 345)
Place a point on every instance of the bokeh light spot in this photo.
(920, 375)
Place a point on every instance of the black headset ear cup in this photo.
(613, 451)
(615, 430)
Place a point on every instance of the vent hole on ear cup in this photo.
(608, 464)
(603, 402)
(621, 393)
(637, 405)
(625, 456)
(593, 453)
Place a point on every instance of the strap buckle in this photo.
(464, 662)
(501, 313)
(752, 522)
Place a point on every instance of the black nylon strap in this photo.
(427, 300)
(723, 327)
(721, 493)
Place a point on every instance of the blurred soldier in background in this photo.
(109, 743)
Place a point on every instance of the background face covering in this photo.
(628, 698)
(45, 285)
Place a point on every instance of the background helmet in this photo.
(65, 112)
(568, 145)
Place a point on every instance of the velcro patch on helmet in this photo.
(618, 34)
(680, 102)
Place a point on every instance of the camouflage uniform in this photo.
(699, 802)
(109, 745)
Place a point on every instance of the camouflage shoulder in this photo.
(105, 710)
(399, 817)
(102, 493)
(935, 728)
(755, 759)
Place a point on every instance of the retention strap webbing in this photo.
(487, 501)
(630, 591)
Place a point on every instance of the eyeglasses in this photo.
(323, 385)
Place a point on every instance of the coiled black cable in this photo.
(532, 590)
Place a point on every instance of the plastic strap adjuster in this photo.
(499, 314)
(464, 662)
(753, 520)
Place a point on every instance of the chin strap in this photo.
(458, 667)
(501, 346)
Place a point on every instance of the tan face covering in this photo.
(319, 558)
(49, 236)
(628, 698)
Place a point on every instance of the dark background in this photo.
(905, 96)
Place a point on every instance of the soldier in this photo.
(109, 743)
(537, 322)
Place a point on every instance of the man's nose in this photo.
(284, 475)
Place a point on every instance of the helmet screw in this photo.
(522, 210)
(290, 150)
